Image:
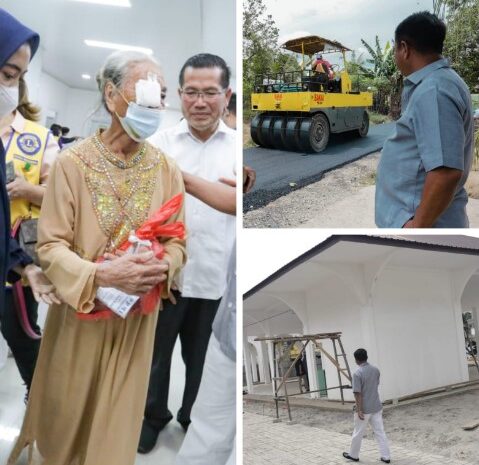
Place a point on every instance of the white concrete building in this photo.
(401, 298)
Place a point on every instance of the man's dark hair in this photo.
(232, 104)
(65, 131)
(361, 355)
(207, 60)
(423, 31)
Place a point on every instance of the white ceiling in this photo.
(305, 276)
(175, 30)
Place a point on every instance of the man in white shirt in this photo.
(204, 146)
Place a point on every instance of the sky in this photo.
(347, 21)
(263, 251)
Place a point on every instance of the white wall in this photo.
(470, 297)
(409, 330)
(219, 31)
(53, 98)
(409, 320)
(33, 76)
(331, 307)
(416, 330)
(81, 104)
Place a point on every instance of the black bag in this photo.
(27, 238)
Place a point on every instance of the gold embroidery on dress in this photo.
(121, 192)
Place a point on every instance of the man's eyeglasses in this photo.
(193, 94)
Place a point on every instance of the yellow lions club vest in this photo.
(26, 149)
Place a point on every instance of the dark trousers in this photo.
(24, 349)
(191, 319)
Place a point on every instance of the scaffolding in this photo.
(279, 380)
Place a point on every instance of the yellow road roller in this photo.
(298, 110)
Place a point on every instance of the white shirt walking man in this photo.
(368, 408)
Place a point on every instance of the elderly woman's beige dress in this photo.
(89, 389)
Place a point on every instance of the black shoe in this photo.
(184, 422)
(149, 435)
(347, 456)
(385, 460)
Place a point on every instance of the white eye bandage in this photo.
(148, 92)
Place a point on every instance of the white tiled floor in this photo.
(12, 410)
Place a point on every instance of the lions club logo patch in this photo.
(29, 143)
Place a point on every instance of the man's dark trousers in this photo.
(190, 319)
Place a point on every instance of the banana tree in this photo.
(387, 81)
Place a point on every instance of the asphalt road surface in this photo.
(279, 173)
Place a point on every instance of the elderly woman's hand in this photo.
(134, 274)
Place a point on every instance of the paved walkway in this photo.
(265, 442)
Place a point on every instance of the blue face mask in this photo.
(140, 122)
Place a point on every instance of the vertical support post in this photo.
(302, 55)
(247, 362)
(337, 368)
(275, 379)
(272, 362)
(264, 356)
(312, 371)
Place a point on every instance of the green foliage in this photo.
(381, 76)
(462, 39)
(381, 63)
(260, 39)
(261, 52)
(260, 44)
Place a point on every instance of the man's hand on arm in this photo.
(439, 189)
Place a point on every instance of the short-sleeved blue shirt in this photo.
(435, 130)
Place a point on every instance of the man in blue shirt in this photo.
(425, 163)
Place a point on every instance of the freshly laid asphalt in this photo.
(279, 173)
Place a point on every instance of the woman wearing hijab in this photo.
(31, 149)
(18, 44)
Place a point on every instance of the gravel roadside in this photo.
(302, 205)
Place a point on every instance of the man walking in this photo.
(425, 163)
(203, 146)
(368, 408)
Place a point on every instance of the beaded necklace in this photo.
(132, 203)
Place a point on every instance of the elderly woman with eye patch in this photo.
(89, 389)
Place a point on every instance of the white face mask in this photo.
(8, 100)
(140, 122)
